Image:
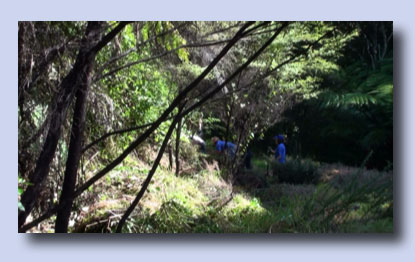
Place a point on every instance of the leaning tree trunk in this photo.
(169, 149)
(178, 134)
(64, 98)
(69, 86)
(74, 153)
(147, 181)
(75, 146)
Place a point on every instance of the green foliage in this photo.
(346, 121)
(353, 206)
(368, 98)
(172, 217)
(332, 97)
(296, 171)
(22, 184)
(305, 75)
(357, 202)
(247, 216)
(362, 87)
(330, 205)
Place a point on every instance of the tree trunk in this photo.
(177, 152)
(75, 146)
(147, 181)
(69, 86)
(63, 101)
(21, 68)
(170, 151)
(74, 153)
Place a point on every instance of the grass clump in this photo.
(296, 200)
(296, 171)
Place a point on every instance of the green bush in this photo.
(189, 152)
(296, 171)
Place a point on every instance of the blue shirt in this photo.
(280, 151)
(220, 146)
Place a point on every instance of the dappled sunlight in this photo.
(205, 126)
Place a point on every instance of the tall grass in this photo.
(296, 171)
(355, 204)
(203, 202)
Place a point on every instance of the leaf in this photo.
(20, 206)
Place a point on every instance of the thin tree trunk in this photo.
(36, 179)
(68, 88)
(228, 124)
(75, 146)
(178, 134)
(177, 151)
(21, 68)
(170, 157)
(146, 182)
(74, 153)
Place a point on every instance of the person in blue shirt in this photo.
(220, 146)
(279, 152)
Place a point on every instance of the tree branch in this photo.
(191, 45)
(165, 114)
(146, 183)
(108, 37)
(121, 131)
(249, 61)
(114, 59)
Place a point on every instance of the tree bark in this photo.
(178, 134)
(74, 152)
(170, 156)
(90, 45)
(177, 152)
(68, 87)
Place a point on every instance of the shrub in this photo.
(296, 171)
(189, 152)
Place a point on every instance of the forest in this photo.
(205, 127)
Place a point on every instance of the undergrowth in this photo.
(330, 200)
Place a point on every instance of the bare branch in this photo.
(191, 45)
(121, 131)
(158, 56)
(220, 30)
(254, 56)
(146, 183)
(108, 37)
(114, 59)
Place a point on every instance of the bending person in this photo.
(222, 146)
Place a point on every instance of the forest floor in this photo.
(200, 200)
